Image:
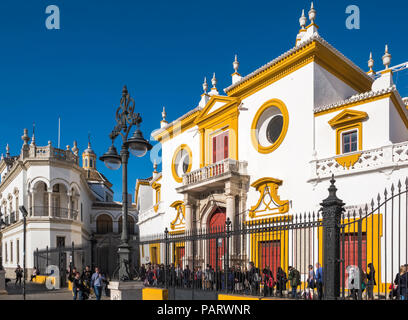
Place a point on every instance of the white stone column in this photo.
(230, 203)
(50, 204)
(188, 244)
(69, 206)
(30, 206)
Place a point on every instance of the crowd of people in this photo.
(249, 281)
(88, 283)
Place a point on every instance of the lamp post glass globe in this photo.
(112, 163)
(137, 149)
(138, 145)
(111, 158)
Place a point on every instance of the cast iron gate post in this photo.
(166, 257)
(332, 208)
(226, 254)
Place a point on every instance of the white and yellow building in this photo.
(268, 146)
(66, 202)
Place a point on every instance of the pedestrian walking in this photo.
(370, 281)
(19, 274)
(319, 281)
(311, 283)
(86, 276)
(294, 278)
(78, 287)
(97, 283)
(280, 281)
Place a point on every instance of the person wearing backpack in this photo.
(280, 281)
(254, 278)
(294, 278)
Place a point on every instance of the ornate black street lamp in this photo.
(126, 118)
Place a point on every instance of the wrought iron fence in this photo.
(359, 253)
(264, 257)
(374, 247)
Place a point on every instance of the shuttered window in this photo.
(220, 147)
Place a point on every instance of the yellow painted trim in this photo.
(157, 187)
(312, 24)
(280, 235)
(236, 297)
(180, 209)
(157, 246)
(155, 294)
(269, 186)
(341, 130)
(401, 107)
(284, 111)
(348, 161)
(177, 232)
(176, 128)
(346, 117)
(138, 184)
(173, 162)
(313, 52)
(225, 118)
(175, 246)
(353, 104)
(386, 71)
(267, 221)
(370, 226)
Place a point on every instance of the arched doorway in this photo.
(216, 225)
(104, 224)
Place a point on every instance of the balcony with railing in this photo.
(56, 212)
(49, 152)
(213, 175)
(383, 158)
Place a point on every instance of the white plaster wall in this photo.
(328, 88)
(376, 128)
(398, 130)
(289, 162)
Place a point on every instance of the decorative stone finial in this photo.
(303, 20)
(235, 64)
(312, 13)
(25, 137)
(386, 58)
(371, 64)
(7, 151)
(205, 85)
(214, 82)
(164, 114)
(49, 143)
(155, 166)
(75, 149)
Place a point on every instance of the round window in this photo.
(181, 163)
(269, 126)
(274, 128)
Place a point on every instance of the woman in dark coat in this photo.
(280, 281)
(370, 281)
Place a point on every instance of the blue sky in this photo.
(161, 50)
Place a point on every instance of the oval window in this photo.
(274, 129)
(181, 163)
(269, 126)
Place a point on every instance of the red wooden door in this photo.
(216, 224)
(270, 255)
(351, 252)
(180, 255)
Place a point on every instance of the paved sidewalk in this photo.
(35, 291)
